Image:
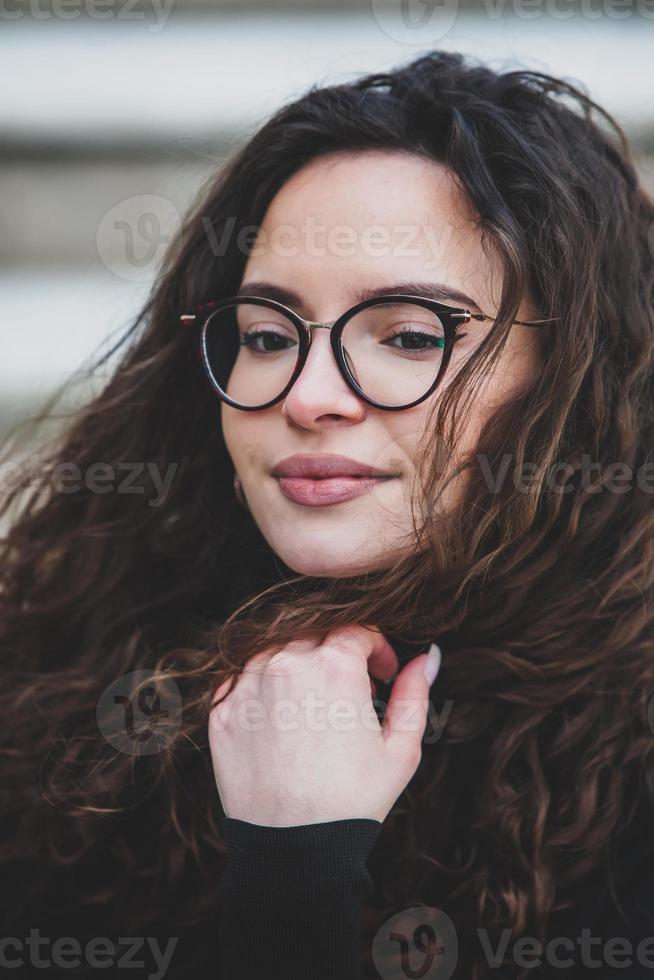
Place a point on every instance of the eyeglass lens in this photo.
(394, 351)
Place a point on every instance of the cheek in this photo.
(515, 371)
(398, 448)
(226, 427)
(511, 375)
(253, 442)
(235, 432)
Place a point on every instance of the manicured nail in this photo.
(432, 663)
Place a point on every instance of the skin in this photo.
(288, 770)
(321, 414)
(297, 741)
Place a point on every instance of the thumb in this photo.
(406, 715)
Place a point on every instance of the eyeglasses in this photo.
(392, 351)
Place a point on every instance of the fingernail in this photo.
(432, 663)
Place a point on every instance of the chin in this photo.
(319, 569)
(325, 563)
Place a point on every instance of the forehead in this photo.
(371, 216)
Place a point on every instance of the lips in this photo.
(319, 479)
(333, 490)
(323, 466)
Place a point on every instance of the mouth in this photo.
(318, 492)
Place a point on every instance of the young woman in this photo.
(400, 363)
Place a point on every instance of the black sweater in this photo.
(288, 906)
(291, 898)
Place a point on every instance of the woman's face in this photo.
(345, 223)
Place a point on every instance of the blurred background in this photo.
(116, 111)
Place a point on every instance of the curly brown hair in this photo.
(540, 600)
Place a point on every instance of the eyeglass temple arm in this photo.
(197, 310)
(483, 316)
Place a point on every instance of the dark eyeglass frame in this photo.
(451, 317)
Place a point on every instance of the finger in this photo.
(276, 660)
(406, 715)
(220, 691)
(369, 643)
(258, 662)
(382, 660)
(255, 665)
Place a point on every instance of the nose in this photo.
(320, 394)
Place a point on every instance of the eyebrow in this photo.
(439, 291)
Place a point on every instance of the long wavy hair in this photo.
(541, 600)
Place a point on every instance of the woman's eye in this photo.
(415, 340)
(266, 341)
